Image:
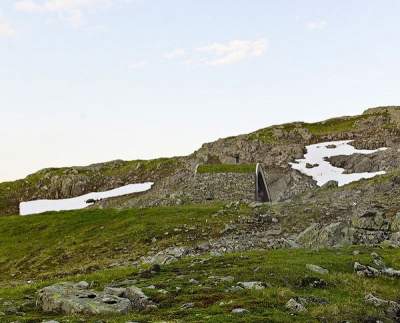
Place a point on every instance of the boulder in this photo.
(252, 285)
(395, 225)
(166, 256)
(138, 299)
(71, 299)
(239, 311)
(337, 234)
(392, 309)
(366, 271)
(372, 219)
(317, 269)
(333, 235)
(295, 307)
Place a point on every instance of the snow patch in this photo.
(326, 172)
(75, 203)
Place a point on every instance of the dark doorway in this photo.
(237, 159)
(262, 192)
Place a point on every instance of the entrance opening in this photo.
(237, 159)
(262, 191)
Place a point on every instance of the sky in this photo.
(85, 81)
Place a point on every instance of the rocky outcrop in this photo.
(71, 299)
(333, 235)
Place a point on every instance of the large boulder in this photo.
(333, 235)
(371, 219)
(395, 225)
(70, 298)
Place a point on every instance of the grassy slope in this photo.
(283, 270)
(317, 129)
(226, 168)
(80, 245)
(62, 243)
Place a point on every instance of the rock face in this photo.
(333, 235)
(70, 298)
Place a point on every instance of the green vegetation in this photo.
(317, 129)
(283, 271)
(226, 168)
(57, 244)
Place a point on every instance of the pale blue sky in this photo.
(86, 81)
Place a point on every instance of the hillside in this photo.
(176, 253)
(274, 147)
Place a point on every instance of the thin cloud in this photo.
(137, 65)
(216, 54)
(316, 25)
(176, 53)
(72, 11)
(232, 52)
(6, 30)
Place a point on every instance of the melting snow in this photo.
(325, 172)
(40, 206)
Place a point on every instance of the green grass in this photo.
(283, 271)
(317, 129)
(226, 168)
(57, 244)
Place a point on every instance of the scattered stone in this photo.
(234, 289)
(317, 269)
(82, 285)
(313, 282)
(368, 271)
(166, 256)
(373, 300)
(365, 271)
(330, 184)
(305, 300)
(391, 272)
(378, 261)
(228, 279)
(138, 299)
(308, 165)
(194, 281)
(252, 285)
(239, 311)
(205, 246)
(187, 306)
(295, 307)
(392, 308)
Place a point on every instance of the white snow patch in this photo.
(325, 172)
(75, 203)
